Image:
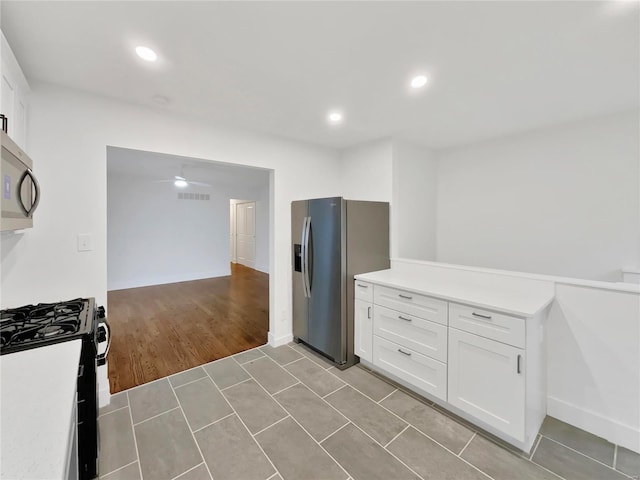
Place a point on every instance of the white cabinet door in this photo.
(487, 380)
(363, 329)
(13, 95)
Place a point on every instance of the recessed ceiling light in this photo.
(147, 54)
(419, 81)
(335, 117)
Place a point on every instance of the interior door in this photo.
(326, 277)
(246, 233)
(232, 232)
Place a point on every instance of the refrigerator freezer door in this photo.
(326, 273)
(299, 213)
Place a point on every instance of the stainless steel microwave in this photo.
(20, 190)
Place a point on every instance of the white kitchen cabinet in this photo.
(478, 360)
(487, 380)
(14, 93)
(363, 329)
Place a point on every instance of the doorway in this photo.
(174, 300)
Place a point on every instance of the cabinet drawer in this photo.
(415, 333)
(423, 372)
(363, 291)
(496, 326)
(412, 303)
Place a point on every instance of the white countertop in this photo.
(523, 302)
(37, 399)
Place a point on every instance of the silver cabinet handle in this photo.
(368, 312)
(518, 364)
(487, 317)
(408, 354)
(407, 297)
(363, 286)
(400, 317)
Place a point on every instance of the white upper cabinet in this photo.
(14, 93)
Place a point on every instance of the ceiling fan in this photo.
(180, 181)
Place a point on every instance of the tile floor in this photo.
(286, 413)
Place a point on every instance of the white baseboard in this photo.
(262, 268)
(283, 340)
(164, 279)
(607, 428)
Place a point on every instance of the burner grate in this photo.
(44, 322)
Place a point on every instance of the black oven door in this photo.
(88, 435)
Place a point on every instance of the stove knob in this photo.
(102, 335)
(101, 313)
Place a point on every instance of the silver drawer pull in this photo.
(363, 286)
(400, 317)
(487, 317)
(408, 354)
(407, 297)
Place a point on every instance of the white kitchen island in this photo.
(471, 342)
(37, 411)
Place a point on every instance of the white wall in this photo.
(154, 238)
(404, 175)
(262, 228)
(69, 132)
(367, 170)
(593, 367)
(413, 222)
(561, 201)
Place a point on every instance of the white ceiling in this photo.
(159, 166)
(494, 67)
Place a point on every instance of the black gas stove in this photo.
(34, 326)
(43, 324)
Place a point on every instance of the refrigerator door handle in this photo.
(305, 259)
(303, 254)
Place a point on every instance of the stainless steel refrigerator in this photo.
(333, 239)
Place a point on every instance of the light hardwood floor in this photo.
(164, 329)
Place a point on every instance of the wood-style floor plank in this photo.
(164, 329)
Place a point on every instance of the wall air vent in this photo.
(193, 196)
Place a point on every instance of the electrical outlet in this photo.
(85, 242)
